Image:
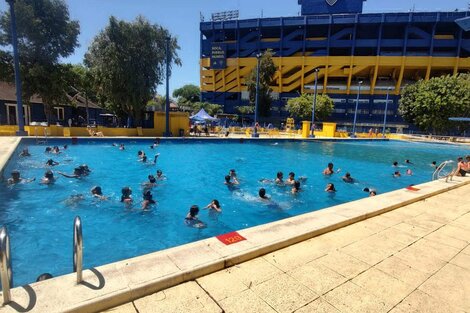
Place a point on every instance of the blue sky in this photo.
(181, 17)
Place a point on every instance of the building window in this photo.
(359, 111)
(381, 112)
(383, 101)
(340, 110)
(59, 113)
(339, 100)
(365, 101)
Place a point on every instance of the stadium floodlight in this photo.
(225, 16)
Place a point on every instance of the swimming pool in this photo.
(39, 218)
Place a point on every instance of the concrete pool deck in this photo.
(310, 262)
(413, 259)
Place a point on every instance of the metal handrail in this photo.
(439, 169)
(6, 273)
(78, 248)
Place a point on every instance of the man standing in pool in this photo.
(329, 170)
(192, 219)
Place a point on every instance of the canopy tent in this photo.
(459, 119)
(202, 116)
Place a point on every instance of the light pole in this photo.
(353, 135)
(258, 57)
(386, 109)
(167, 104)
(14, 43)
(314, 103)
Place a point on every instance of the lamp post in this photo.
(353, 135)
(258, 57)
(314, 103)
(386, 109)
(167, 104)
(14, 43)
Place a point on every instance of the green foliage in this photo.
(45, 34)
(429, 104)
(159, 103)
(267, 69)
(128, 61)
(211, 108)
(246, 109)
(301, 107)
(187, 94)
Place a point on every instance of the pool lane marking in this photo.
(230, 238)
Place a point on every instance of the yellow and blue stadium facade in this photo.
(386, 51)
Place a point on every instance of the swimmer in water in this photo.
(152, 182)
(148, 200)
(329, 170)
(214, 205)
(372, 193)
(160, 175)
(330, 188)
(140, 154)
(396, 174)
(121, 147)
(85, 169)
(295, 187)
(348, 179)
(233, 176)
(279, 179)
(395, 164)
(77, 173)
(192, 219)
(409, 172)
(408, 161)
(126, 195)
(291, 179)
(16, 178)
(262, 194)
(65, 147)
(228, 181)
(48, 178)
(73, 200)
(48, 150)
(51, 162)
(55, 150)
(97, 193)
(434, 164)
(25, 153)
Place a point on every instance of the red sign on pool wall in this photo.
(230, 238)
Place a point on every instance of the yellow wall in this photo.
(178, 120)
(293, 73)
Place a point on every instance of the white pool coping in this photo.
(117, 283)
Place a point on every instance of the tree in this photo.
(429, 104)
(245, 110)
(267, 69)
(187, 93)
(301, 107)
(128, 61)
(211, 108)
(45, 34)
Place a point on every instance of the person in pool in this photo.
(126, 195)
(233, 176)
(51, 162)
(48, 150)
(348, 179)
(192, 219)
(229, 182)
(262, 195)
(16, 178)
(48, 178)
(395, 164)
(434, 164)
(295, 187)
(372, 192)
(121, 147)
(152, 182)
(25, 153)
(55, 150)
(160, 175)
(396, 174)
(140, 154)
(329, 170)
(77, 173)
(279, 179)
(409, 172)
(330, 188)
(148, 200)
(408, 161)
(214, 205)
(97, 193)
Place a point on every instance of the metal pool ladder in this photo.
(6, 273)
(78, 248)
(437, 173)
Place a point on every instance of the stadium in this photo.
(351, 53)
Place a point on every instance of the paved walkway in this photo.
(413, 259)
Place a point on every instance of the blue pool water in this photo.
(39, 218)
